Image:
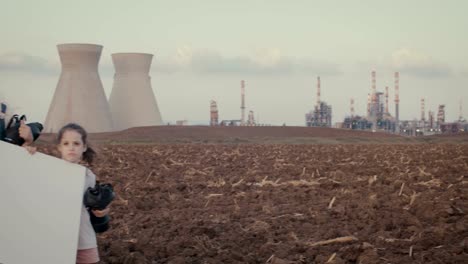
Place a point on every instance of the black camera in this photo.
(98, 198)
(11, 135)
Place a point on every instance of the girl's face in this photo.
(71, 146)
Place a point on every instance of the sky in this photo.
(203, 49)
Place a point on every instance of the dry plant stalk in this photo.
(149, 175)
(422, 172)
(334, 240)
(175, 162)
(411, 251)
(217, 183)
(332, 257)
(237, 183)
(213, 195)
(335, 181)
(413, 197)
(431, 183)
(126, 186)
(193, 171)
(401, 189)
(303, 171)
(391, 240)
(331, 202)
(300, 182)
(270, 258)
(122, 200)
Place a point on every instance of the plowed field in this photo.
(285, 203)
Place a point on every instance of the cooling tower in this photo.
(79, 96)
(132, 101)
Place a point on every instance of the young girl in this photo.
(73, 147)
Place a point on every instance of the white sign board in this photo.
(40, 206)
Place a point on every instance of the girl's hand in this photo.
(25, 133)
(30, 149)
(101, 213)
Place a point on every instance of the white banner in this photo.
(40, 207)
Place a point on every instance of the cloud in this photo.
(266, 61)
(263, 61)
(20, 62)
(418, 64)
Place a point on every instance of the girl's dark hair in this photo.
(89, 154)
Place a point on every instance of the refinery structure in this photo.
(79, 97)
(243, 121)
(379, 118)
(321, 115)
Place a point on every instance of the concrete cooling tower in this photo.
(132, 101)
(79, 96)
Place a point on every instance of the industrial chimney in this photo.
(242, 103)
(132, 101)
(213, 113)
(397, 101)
(79, 96)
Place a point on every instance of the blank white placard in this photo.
(40, 206)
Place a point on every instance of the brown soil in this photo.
(282, 203)
(206, 134)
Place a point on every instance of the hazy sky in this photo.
(203, 49)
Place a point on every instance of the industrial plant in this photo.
(321, 116)
(379, 118)
(132, 102)
(232, 122)
(79, 96)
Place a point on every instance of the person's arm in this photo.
(26, 134)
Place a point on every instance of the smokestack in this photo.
(132, 101)
(374, 87)
(423, 115)
(318, 92)
(352, 107)
(213, 113)
(79, 96)
(386, 100)
(397, 99)
(441, 115)
(242, 102)
(368, 105)
(251, 121)
(431, 119)
(374, 106)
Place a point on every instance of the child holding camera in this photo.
(73, 147)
